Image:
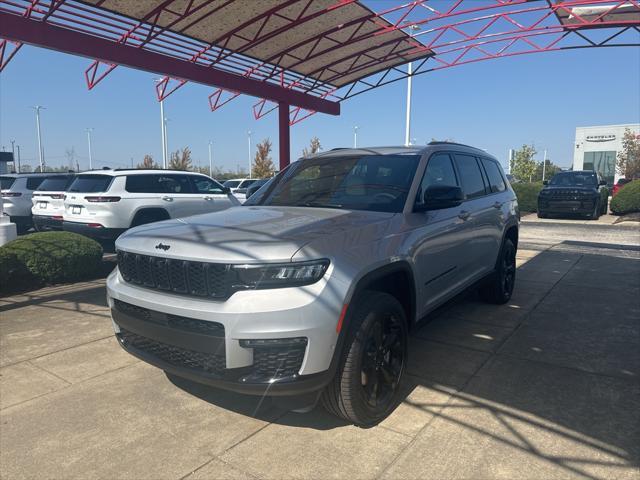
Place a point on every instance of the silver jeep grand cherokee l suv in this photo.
(312, 286)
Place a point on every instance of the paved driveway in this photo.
(544, 387)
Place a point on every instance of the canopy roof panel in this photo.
(318, 39)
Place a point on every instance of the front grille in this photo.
(211, 364)
(199, 279)
(190, 325)
(278, 362)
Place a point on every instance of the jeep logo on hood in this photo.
(162, 246)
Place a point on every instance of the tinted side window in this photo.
(470, 176)
(206, 185)
(142, 184)
(439, 171)
(496, 182)
(34, 182)
(175, 184)
(90, 183)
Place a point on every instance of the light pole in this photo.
(19, 167)
(37, 108)
(13, 153)
(407, 130)
(89, 130)
(355, 137)
(163, 134)
(249, 138)
(544, 164)
(210, 159)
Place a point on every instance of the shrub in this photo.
(48, 257)
(527, 194)
(627, 200)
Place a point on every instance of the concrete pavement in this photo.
(546, 386)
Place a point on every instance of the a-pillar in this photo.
(285, 139)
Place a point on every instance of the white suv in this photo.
(238, 187)
(17, 191)
(104, 203)
(312, 286)
(48, 202)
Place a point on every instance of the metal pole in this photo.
(19, 166)
(13, 153)
(249, 138)
(40, 151)
(89, 130)
(162, 131)
(210, 160)
(510, 160)
(355, 137)
(407, 132)
(544, 164)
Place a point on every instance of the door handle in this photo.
(167, 199)
(208, 198)
(497, 205)
(464, 215)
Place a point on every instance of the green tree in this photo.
(550, 170)
(628, 161)
(147, 162)
(180, 160)
(314, 147)
(262, 163)
(523, 166)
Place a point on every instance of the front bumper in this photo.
(97, 233)
(206, 340)
(581, 206)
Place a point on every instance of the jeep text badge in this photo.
(162, 246)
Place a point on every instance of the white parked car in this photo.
(104, 203)
(48, 202)
(17, 191)
(238, 187)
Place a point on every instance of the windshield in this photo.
(90, 183)
(356, 182)
(574, 179)
(6, 182)
(55, 184)
(231, 183)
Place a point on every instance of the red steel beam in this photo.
(284, 135)
(52, 37)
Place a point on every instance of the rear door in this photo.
(177, 195)
(478, 213)
(499, 201)
(212, 194)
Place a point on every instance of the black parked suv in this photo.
(576, 193)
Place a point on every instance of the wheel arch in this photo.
(159, 212)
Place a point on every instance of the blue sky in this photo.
(495, 105)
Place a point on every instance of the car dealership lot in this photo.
(543, 387)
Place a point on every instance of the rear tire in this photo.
(367, 384)
(542, 215)
(499, 286)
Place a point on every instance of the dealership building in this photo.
(596, 148)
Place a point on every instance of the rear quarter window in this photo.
(91, 183)
(34, 182)
(470, 176)
(496, 180)
(6, 182)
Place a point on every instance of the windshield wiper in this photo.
(319, 205)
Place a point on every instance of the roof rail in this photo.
(444, 142)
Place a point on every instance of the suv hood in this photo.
(246, 234)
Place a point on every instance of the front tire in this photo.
(499, 287)
(595, 215)
(367, 384)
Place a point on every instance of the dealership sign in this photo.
(600, 138)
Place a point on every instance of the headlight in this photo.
(279, 275)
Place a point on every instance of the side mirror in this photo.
(226, 190)
(437, 197)
(602, 182)
(546, 182)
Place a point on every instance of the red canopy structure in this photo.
(305, 56)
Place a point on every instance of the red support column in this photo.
(285, 140)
